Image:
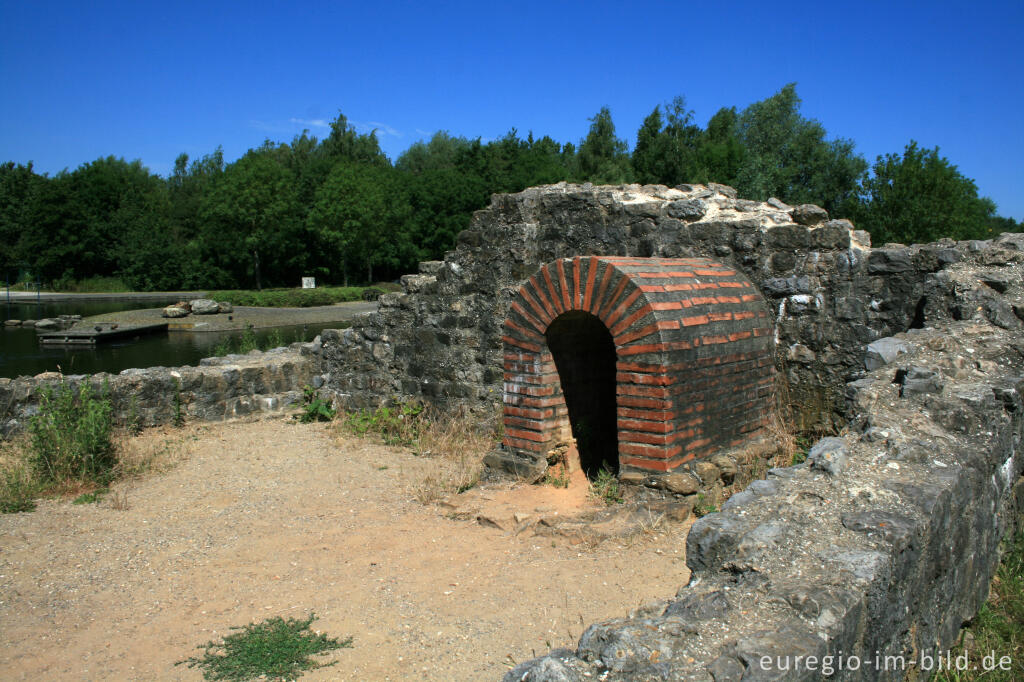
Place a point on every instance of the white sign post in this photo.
(309, 282)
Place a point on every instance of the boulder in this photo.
(809, 214)
(48, 324)
(171, 311)
(225, 306)
(205, 306)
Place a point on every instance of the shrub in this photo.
(315, 408)
(71, 436)
(288, 298)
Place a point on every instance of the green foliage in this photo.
(18, 488)
(921, 197)
(71, 436)
(276, 649)
(315, 408)
(606, 486)
(287, 298)
(399, 424)
(559, 479)
(703, 506)
(91, 285)
(603, 157)
(337, 208)
(787, 156)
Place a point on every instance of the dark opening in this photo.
(584, 355)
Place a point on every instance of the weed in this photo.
(71, 436)
(133, 422)
(119, 499)
(560, 479)
(606, 486)
(276, 649)
(248, 342)
(802, 447)
(703, 506)
(315, 408)
(90, 498)
(396, 425)
(18, 488)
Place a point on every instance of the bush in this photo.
(71, 436)
(397, 425)
(315, 408)
(288, 298)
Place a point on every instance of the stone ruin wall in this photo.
(218, 388)
(884, 542)
(829, 292)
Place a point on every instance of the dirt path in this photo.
(275, 518)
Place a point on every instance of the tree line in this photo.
(339, 209)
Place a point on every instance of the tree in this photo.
(253, 210)
(787, 156)
(720, 152)
(360, 214)
(920, 197)
(667, 154)
(602, 156)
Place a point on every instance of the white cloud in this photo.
(314, 122)
(366, 127)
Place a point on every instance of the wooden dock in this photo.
(101, 333)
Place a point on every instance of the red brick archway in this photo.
(693, 356)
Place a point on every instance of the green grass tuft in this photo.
(276, 649)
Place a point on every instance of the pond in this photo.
(22, 354)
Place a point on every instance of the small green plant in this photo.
(248, 342)
(396, 425)
(133, 422)
(703, 506)
(560, 479)
(90, 498)
(606, 485)
(18, 489)
(315, 408)
(71, 436)
(803, 446)
(276, 649)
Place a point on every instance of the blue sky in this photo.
(142, 80)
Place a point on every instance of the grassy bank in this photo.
(300, 298)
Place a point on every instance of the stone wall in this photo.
(219, 388)
(829, 292)
(871, 554)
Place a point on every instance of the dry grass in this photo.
(457, 446)
(454, 444)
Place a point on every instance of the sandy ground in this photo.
(273, 518)
(240, 318)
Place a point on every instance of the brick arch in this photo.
(693, 350)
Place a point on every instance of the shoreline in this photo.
(241, 318)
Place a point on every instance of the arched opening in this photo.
(584, 355)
